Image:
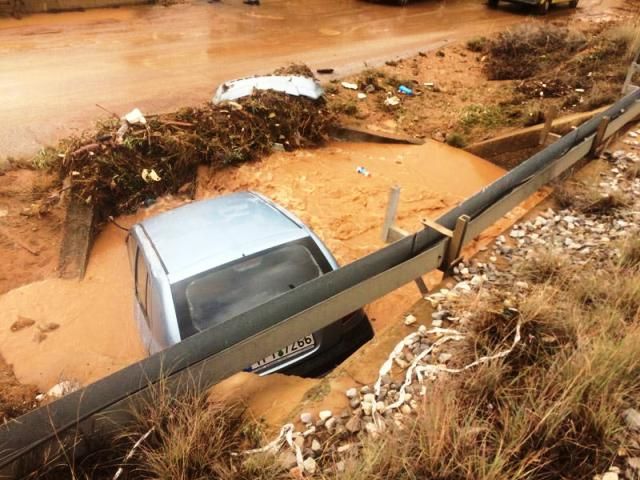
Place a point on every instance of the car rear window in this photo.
(237, 288)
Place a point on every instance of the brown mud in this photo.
(97, 334)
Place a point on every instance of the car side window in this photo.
(142, 281)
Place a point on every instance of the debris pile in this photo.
(129, 162)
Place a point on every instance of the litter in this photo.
(579, 90)
(325, 71)
(294, 85)
(362, 96)
(135, 117)
(150, 175)
(350, 86)
(363, 171)
(405, 90)
(392, 101)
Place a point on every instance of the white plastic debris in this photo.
(350, 86)
(294, 85)
(59, 390)
(409, 320)
(362, 96)
(150, 175)
(392, 101)
(135, 117)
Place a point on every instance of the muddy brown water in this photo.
(97, 334)
(54, 69)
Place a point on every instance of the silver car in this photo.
(202, 264)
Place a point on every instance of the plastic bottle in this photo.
(405, 90)
(363, 171)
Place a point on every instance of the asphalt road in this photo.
(54, 69)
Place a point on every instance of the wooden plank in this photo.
(354, 132)
(76, 240)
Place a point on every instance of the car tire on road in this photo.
(493, 3)
(543, 8)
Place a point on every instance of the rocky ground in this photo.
(584, 236)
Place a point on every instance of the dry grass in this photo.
(537, 46)
(549, 410)
(587, 198)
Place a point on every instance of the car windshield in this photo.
(226, 292)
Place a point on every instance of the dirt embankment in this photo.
(464, 94)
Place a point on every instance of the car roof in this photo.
(208, 233)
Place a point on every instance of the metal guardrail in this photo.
(200, 361)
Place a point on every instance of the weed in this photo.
(588, 198)
(46, 159)
(484, 116)
(535, 46)
(477, 44)
(457, 140)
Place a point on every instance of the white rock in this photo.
(350, 86)
(371, 428)
(444, 357)
(436, 323)
(401, 363)
(344, 448)
(316, 447)
(330, 423)
(325, 415)
(369, 398)
(351, 393)
(410, 320)
(632, 418)
(610, 476)
(310, 465)
(306, 417)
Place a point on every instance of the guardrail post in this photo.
(390, 232)
(549, 117)
(456, 239)
(597, 140)
(634, 68)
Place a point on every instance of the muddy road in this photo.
(54, 69)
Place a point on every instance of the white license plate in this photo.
(305, 343)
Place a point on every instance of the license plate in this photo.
(305, 343)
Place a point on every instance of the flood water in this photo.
(97, 333)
